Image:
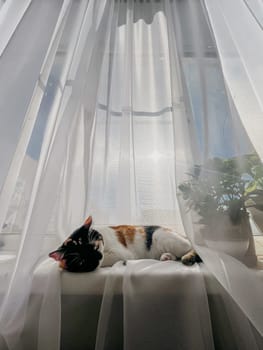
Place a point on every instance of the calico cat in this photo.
(88, 248)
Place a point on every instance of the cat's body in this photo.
(141, 242)
(88, 248)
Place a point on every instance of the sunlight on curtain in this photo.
(10, 16)
(238, 40)
(215, 184)
(124, 109)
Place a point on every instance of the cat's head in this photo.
(82, 251)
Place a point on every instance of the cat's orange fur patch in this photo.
(125, 233)
(141, 230)
(121, 238)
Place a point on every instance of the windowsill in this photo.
(93, 283)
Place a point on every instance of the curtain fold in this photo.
(30, 119)
(11, 15)
(238, 40)
(151, 302)
(31, 56)
(134, 112)
(33, 248)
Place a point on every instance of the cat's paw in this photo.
(167, 256)
(190, 258)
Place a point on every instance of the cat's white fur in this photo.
(166, 245)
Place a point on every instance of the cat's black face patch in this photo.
(81, 252)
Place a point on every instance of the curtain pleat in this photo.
(238, 40)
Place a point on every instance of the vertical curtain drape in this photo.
(238, 39)
(137, 112)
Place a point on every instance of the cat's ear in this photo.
(88, 222)
(56, 255)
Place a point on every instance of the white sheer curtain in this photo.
(238, 39)
(115, 104)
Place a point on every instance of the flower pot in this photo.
(220, 234)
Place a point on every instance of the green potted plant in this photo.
(220, 195)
